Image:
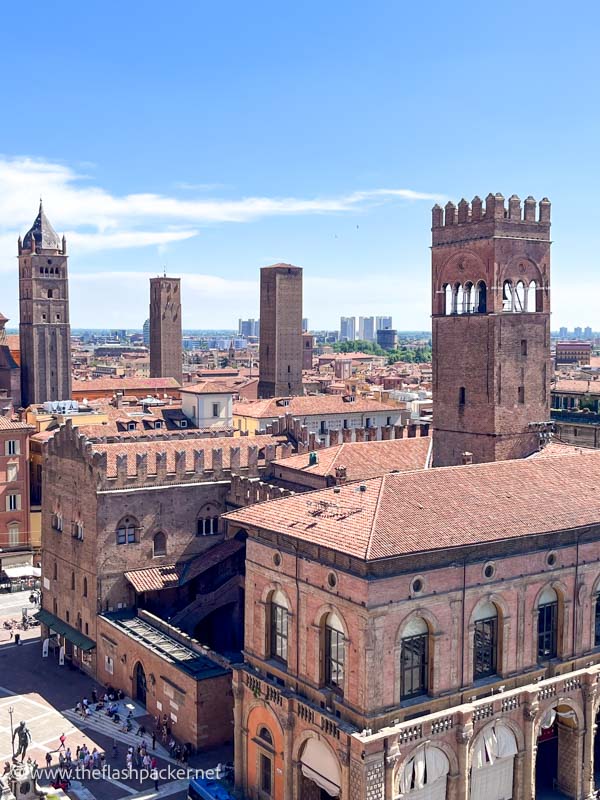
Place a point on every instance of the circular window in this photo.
(277, 559)
(551, 559)
(489, 570)
(417, 585)
(332, 579)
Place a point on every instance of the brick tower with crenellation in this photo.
(491, 328)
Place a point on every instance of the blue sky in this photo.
(218, 138)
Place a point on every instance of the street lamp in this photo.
(11, 711)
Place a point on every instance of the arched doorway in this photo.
(492, 765)
(425, 775)
(320, 774)
(139, 681)
(556, 774)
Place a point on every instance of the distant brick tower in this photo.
(10, 372)
(491, 328)
(165, 328)
(280, 348)
(44, 330)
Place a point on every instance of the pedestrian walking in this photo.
(62, 741)
(94, 696)
(68, 757)
(17, 638)
(48, 760)
(115, 749)
(154, 776)
(61, 760)
(153, 741)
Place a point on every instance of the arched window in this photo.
(72, 581)
(460, 299)
(532, 304)
(428, 767)
(13, 534)
(507, 296)
(414, 659)
(462, 396)
(85, 587)
(265, 735)
(455, 289)
(447, 299)
(265, 763)
(469, 297)
(481, 298)
(127, 531)
(547, 614)
(334, 652)
(160, 544)
(49, 294)
(520, 297)
(78, 622)
(55, 571)
(208, 521)
(597, 621)
(485, 641)
(278, 629)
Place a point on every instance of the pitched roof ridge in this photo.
(374, 518)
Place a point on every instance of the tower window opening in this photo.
(519, 297)
(462, 396)
(481, 298)
(469, 294)
(523, 347)
(534, 300)
(521, 394)
(507, 296)
(460, 300)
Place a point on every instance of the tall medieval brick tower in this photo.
(491, 328)
(44, 330)
(280, 347)
(165, 328)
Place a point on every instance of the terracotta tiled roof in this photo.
(308, 406)
(131, 447)
(441, 508)
(208, 387)
(364, 460)
(579, 387)
(124, 384)
(7, 424)
(154, 579)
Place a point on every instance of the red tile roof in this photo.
(7, 424)
(208, 387)
(124, 384)
(441, 508)
(364, 460)
(578, 387)
(309, 405)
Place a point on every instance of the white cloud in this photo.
(73, 204)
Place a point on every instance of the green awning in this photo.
(58, 626)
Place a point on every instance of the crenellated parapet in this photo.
(466, 221)
(130, 464)
(245, 491)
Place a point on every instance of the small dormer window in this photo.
(183, 423)
(131, 426)
(158, 424)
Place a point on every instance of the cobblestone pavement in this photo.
(44, 694)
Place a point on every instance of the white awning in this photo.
(321, 766)
(22, 572)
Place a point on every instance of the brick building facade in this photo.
(280, 352)
(402, 644)
(115, 509)
(166, 337)
(491, 328)
(15, 537)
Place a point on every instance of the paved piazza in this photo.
(49, 712)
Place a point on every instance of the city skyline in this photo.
(213, 199)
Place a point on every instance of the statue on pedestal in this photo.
(24, 741)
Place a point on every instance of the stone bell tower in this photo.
(44, 330)
(491, 328)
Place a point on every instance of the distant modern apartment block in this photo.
(366, 329)
(347, 329)
(280, 350)
(383, 323)
(304, 324)
(249, 327)
(165, 328)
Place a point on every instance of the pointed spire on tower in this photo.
(41, 234)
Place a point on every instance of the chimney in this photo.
(341, 475)
(467, 458)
